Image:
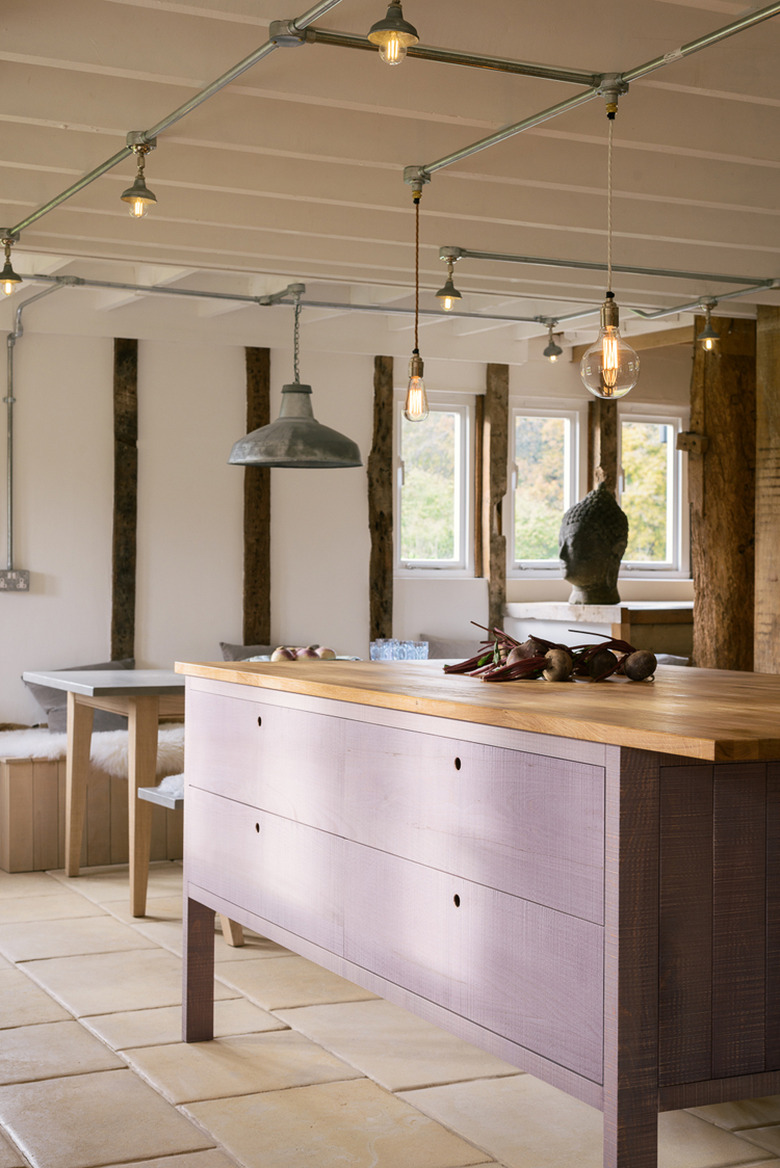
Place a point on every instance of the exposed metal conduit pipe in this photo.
(12, 580)
(692, 305)
(457, 253)
(288, 297)
(300, 23)
(422, 174)
(350, 40)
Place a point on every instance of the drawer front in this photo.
(286, 872)
(280, 760)
(519, 969)
(524, 824)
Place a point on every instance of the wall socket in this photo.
(14, 580)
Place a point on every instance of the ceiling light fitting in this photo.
(552, 351)
(416, 405)
(393, 35)
(708, 338)
(9, 279)
(610, 368)
(138, 197)
(449, 293)
(296, 438)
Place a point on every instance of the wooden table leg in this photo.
(141, 772)
(76, 770)
(198, 972)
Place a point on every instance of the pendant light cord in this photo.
(296, 335)
(416, 271)
(609, 204)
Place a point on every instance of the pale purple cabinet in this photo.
(519, 889)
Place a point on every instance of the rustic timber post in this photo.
(380, 503)
(495, 450)
(257, 506)
(123, 552)
(721, 481)
(767, 602)
(602, 444)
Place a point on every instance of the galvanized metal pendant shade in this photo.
(296, 438)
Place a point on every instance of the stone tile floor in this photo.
(306, 1071)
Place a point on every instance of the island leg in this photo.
(198, 972)
(631, 961)
(79, 727)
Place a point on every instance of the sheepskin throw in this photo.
(108, 751)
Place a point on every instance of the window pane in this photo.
(430, 497)
(646, 457)
(540, 455)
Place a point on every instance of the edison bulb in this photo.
(138, 208)
(610, 368)
(416, 405)
(8, 287)
(393, 50)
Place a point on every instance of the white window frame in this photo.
(463, 567)
(678, 568)
(575, 471)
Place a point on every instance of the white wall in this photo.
(191, 407)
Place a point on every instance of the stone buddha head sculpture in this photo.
(592, 539)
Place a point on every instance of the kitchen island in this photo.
(581, 878)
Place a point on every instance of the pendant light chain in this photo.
(416, 271)
(296, 339)
(609, 204)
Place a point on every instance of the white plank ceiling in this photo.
(294, 172)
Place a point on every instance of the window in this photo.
(433, 501)
(650, 491)
(544, 462)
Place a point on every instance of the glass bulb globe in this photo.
(393, 50)
(610, 368)
(552, 358)
(708, 344)
(8, 287)
(447, 303)
(138, 208)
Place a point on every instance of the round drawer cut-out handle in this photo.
(259, 720)
(257, 828)
(456, 900)
(458, 764)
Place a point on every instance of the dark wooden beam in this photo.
(602, 444)
(123, 553)
(257, 507)
(721, 482)
(767, 605)
(380, 503)
(495, 447)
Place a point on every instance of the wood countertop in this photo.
(708, 714)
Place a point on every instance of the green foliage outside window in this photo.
(428, 498)
(540, 451)
(645, 457)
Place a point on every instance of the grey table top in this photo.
(110, 682)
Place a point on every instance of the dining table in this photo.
(143, 696)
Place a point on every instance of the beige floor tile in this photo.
(288, 981)
(23, 1003)
(51, 907)
(105, 885)
(329, 1126)
(392, 1046)
(51, 1050)
(102, 983)
(767, 1138)
(685, 1142)
(745, 1113)
(241, 1065)
(85, 1120)
(522, 1121)
(9, 1156)
(16, 884)
(210, 1158)
(134, 1028)
(27, 941)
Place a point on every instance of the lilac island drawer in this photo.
(521, 823)
(288, 873)
(516, 968)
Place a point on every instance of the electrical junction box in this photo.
(14, 580)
